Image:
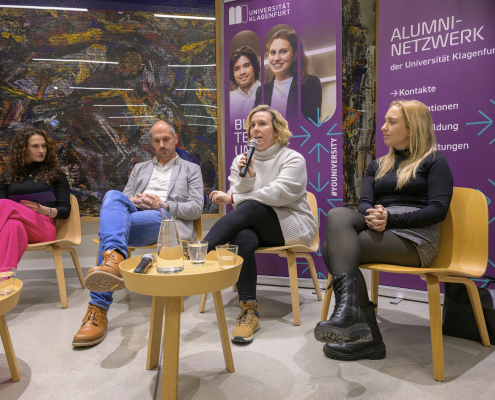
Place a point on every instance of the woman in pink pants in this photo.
(32, 168)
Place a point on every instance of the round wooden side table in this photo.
(167, 291)
(7, 303)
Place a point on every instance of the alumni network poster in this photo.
(288, 55)
(442, 53)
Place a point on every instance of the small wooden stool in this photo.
(167, 291)
(7, 303)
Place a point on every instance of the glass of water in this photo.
(7, 280)
(226, 255)
(169, 256)
(197, 251)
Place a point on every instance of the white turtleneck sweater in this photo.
(280, 182)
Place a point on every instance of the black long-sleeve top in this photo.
(60, 187)
(431, 191)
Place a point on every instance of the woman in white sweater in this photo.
(270, 207)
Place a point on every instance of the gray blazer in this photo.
(185, 192)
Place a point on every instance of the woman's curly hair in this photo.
(19, 158)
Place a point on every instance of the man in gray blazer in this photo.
(132, 218)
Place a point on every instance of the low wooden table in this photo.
(7, 303)
(167, 291)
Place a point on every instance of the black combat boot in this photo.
(347, 322)
(374, 350)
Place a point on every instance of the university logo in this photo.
(238, 15)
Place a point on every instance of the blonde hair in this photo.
(422, 142)
(280, 125)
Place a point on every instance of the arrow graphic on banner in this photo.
(319, 188)
(488, 121)
(318, 118)
(335, 133)
(318, 145)
(330, 201)
(394, 93)
(306, 136)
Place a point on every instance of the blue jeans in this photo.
(122, 225)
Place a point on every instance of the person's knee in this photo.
(338, 217)
(112, 195)
(14, 225)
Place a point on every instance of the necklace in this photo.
(32, 173)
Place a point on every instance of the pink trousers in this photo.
(19, 226)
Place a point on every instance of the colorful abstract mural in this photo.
(97, 80)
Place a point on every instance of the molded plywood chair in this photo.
(463, 254)
(7, 303)
(68, 235)
(291, 253)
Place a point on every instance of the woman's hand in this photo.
(377, 218)
(242, 163)
(218, 197)
(37, 207)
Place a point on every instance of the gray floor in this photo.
(284, 361)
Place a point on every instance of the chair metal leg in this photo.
(202, 302)
(75, 260)
(9, 350)
(294, 291)
(436, 326)
(59, 270)
(474, 296)
(312, 271)
(326, 300)
(375, 277)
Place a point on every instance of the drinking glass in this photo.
(169, 256)
(226, 255)
(197, 251)
(7, 280)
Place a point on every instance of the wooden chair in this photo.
(198, 227)
(7, 303)
(463, 254)
(68, 235)
(291, 253)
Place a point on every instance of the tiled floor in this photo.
(284, 361)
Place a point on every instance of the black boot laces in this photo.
(339, 291)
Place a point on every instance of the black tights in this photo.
(349, 243)
(249, 226)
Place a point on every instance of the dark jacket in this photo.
(311, 96)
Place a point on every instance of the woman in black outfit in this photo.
(32, 168)
(281, 91)
(404, 197)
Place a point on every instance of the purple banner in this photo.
(442, 53)
(288, 55)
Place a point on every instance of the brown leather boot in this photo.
(106, 277)
(94, 327)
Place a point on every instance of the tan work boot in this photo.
(248, 322)
(106, 277)
(93, 329)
